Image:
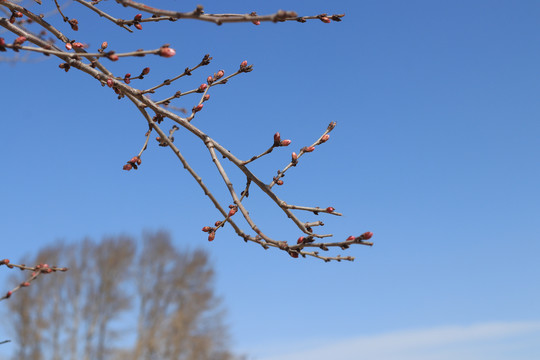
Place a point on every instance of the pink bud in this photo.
(113, 57)
(110, 82)
(206, 97)
(330, 209)
(167, 52)
(18, 14)
(325, 138)
(139, 27)
(256, 22)
(243, 64)
(277, 139)
(78, 45)
(206, 228)
(309, 148)
(209, 80)
(286, 142)
(19, 40)
(202, 88)
(219, 74)
(325, 19)
(68, 46)
(104, 45)
(232, 212)
(197, 108)
(366, 235)
(350, 238)
(211, 236)
(294, 157)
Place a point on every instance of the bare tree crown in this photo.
(31, 32)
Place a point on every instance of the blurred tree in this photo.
(120, 303)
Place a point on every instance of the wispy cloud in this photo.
(494, 341)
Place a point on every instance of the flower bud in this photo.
(78, 45)
(104, 45)
(110, 82)
(325, 138)
(206, 97)
(243, 64)
(139, 27)
(325, 19)
(8, 295)
(219, 74)
(113, 57)
(277, 139)
(350, 238)
(211, 236)
(209, 79)
(19, 40)
(167, 52)
(217, 223)
(309, 148)
(128, 167)
(256, 22)
(145, 71)
(294, 157)
(330, 209)
(293, 254)
(206, 228)
(202, 87)
(68, 46)
(332, 125)
(197, 108)
(25, 284)
(279, 182)
(286, 142)
(4, 262)
(300, 240)
(138, 17)
(366, 236)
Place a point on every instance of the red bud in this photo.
(206, 228)
(243, 64)
(145, 71)
(113, 57)
(330, 209)
(300, 240)
(219, 74)
(68, 46)
(138, 17)
(350, 238)
(256, 22)
(128, 167)
(277, 139)
(110, 82)
(293, 254)
(309, 148)
(294, 157)
(211, 236)
(139, 27)
(202, 88)
(286, 142)
(8, 295)
(197, 108)
(325, 138)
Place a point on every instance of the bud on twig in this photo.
(167, 52)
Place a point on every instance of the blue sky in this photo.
(436, 151)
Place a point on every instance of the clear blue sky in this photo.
(436, 151)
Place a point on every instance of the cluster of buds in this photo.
(210, 79)
(279, 142)
(14, 15)
(211, 232)
(365, 236)
(127, 78)
(133, 163)
(136, 21)
(244, 67)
